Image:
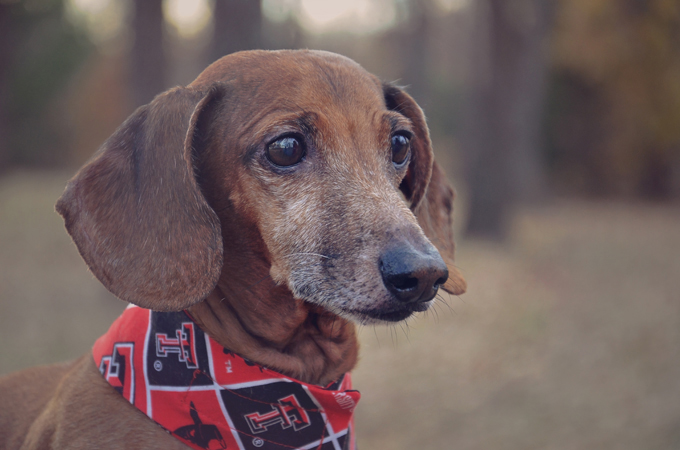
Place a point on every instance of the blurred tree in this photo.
(6, 48)
(147, 62)
(502, 141)
(39, 52)
(237, 26)
(614, 126)
(414, 43)
(280, 35)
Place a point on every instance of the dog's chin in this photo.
(387, 309)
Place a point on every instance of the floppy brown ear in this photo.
(434, 214)
(425, 185)
(136, 213)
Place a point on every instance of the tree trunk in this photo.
(148, 58)
(237, 26)
(502, 146)
(415, 50)
(6, 51)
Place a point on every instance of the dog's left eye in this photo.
(401, 146)
(286, 151)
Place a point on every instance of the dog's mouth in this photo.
(391, 313)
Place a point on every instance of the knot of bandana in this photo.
(210, 398)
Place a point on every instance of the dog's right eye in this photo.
(401, 149)
(286, 151)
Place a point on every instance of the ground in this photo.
(568, 337)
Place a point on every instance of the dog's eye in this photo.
(286, 151)
(401, 146)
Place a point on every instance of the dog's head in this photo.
(297, 163)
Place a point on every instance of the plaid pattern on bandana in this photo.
(210, 398)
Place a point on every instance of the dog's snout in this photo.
(412, 276)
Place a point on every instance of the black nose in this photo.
(412, 276)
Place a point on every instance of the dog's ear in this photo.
(136, 212)
(434, 214)
(426, 187)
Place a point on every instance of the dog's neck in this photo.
(276, 330)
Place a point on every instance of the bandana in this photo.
(210, 398)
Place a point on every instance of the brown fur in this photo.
(180, 210)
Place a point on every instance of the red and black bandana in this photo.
(210, 398)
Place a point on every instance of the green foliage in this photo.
(46, 51)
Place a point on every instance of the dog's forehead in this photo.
(305, 76)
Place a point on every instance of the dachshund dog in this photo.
(280, 198)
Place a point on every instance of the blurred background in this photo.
(557, 120)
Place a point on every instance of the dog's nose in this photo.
(412, 276)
